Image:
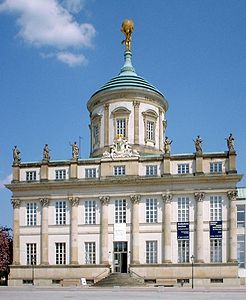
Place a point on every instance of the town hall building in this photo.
(131, 207)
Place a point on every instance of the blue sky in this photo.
(55, 54)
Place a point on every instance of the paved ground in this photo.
(35, 293)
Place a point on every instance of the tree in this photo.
(6, 251)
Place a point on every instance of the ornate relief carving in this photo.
(199, 196)
(167, 197)
(44, 202)
(74, 201)
(120, 148)
(232, 195)
(15, 202)
(135, 199)
(136, 103)
(104, 200)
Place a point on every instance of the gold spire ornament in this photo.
(127, 29)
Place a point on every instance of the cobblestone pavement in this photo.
(38, 293)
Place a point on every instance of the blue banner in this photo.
(215, 229)
(183, 230)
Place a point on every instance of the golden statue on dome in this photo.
(127, 28)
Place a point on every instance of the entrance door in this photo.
(120, 257)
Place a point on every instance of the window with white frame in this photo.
(150, 130)
(183, 168)
(215, 250)
(31, 175)
(183, 209)
(90, 253)
(121, 127)
(61, 212)
(151, 170)
(151, 210)
(60, 174)
(241, 215)
(31, 254)
(120, 211)
(216, 167)
(151, 252)
(60, 253)
(90, 173)
(31, 214)
(119, 170)
(241, 250)
(90, 212)
(215, 208)
(183, 251)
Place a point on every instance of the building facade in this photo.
(133, 206)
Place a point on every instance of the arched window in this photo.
(150, 117)
(121, 119)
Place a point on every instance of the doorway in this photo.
(120, 257)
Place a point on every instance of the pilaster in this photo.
(74, 169)
(232, 213)
(166, 164)
(16, 230)
(135, 199)
(16, 172)
(44, 171)
(44, 231)
(199, 163)
(232, 162)
(199, 197)
(160, 129)
(166, 228)
(106, 124)
(136, 122)
(104, 230)
(74, 201)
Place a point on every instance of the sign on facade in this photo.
(215, 229)
(183, 230)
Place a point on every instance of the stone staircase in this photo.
(120, 279)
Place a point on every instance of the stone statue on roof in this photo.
(127, 28)
(230, 142)
(198, 144)
(167, 145)
(75, 150)
(46, 153)
(16, 155)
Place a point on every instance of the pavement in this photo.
(92, 293)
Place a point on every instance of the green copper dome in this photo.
(128, 79)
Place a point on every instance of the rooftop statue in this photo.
(16, 155)
(230, 142)
(127, 28)
(167, 145)
(75, 150)
(198, 144)
(46, 153)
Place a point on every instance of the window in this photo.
(241, 215)
(183, 168)
(60, 174)
(31, 254)
(241, 250)
(31, 214)
(119, 170)
(90, 212)
(121, 127)
(215, 208)
(151, 210)
(151, 252)
(61, 212)
(216, 167)
(183, 251)
(60, 253)
(90, 173)
(150, 131)
(31, 175)
(183, 209)
(120, 211)
(95, 130)
(90, 253)
(151, 170)
(215, 250)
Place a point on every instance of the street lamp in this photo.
(192, 270)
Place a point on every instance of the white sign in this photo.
(83, 281)
(120, 232)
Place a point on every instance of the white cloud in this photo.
(48, 23)
(72, 59)
(6, 180)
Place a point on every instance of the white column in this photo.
(135, 199)
(166, 245)
(104, 230)
(44, 257)
(160, 129)
(198, 216)
(16, 231)
(74, 201)
(232, 213)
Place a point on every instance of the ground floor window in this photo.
(151, 252)
(241, 250)
(90, 253)
(183, 251)
(60, 253)
(216, 250)
(31, 254)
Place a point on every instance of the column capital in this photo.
(15, 202)
(167, 197)
(106, 106)
(199, 196)
(74, 201)
(135, 199)
(232, 195)
(136, 103)
(44, 202)
(104, 200)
